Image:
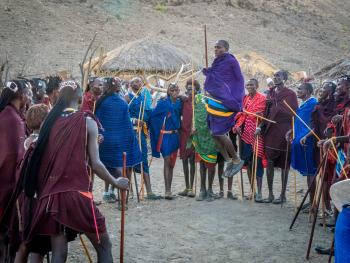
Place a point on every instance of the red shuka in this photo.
(64, 198)
(12, 136)
(186, 127)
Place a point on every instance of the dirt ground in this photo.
(185, 230)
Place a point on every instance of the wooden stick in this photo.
(193, 128)
(137, 93)
(315, 215)
(81, 65)
(242, 185)
(206, 46)
(295, 191)
(85, 249)
(241, 172)
(122, 221)
(258, 116)
(137, 188)
(140, 145)
(338, 158)
(142, 169)
(301, 120)
(323, 160)
(284, 174)
(331, 251)
(255, 163)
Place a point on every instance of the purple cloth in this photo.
(224, 82)
(220, 125)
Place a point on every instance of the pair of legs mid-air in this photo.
(228, 151)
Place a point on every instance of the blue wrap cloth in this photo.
(169, 113)
(135, 113)
(303, 156)
(118, 133)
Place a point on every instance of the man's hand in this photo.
(139, 123)
(303, 141)
(100, 138)
(193, 131)
(320, 143)
(236, 130)
(327, 144)
(337, 118)
(122, 183)
(257, 132)
(289, 136)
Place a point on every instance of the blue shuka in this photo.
(171, 113)
(118, 133)
(134, 110)
(303, 156)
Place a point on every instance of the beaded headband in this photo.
(12, 86)
(68, 83)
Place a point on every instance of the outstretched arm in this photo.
(97, 166)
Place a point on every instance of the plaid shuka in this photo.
(202, 139)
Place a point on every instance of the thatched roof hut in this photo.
(142, 56)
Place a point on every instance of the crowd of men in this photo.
(54, 139)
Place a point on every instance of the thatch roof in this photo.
(145, 55)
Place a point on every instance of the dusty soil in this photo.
(185, 230)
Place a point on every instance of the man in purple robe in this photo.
(277, 148)
(225, 85)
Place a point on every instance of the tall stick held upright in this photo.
(122, 221)
(206, 46)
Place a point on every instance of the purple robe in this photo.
(225, 83)
(274, 133)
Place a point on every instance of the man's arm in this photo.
(97, 166)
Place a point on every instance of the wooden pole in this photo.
(316, 211)
(259, 117)
(331, 251)
(295, 191)
(255, 163)
(206, 46)
(142, 177)
(284, 174)
(307, 192)
(136, 187)
(140, 145)
(85, 249)
(122, 221)
(193, 128)
(301, 120)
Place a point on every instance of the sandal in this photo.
(202, 195)
(231, 196)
